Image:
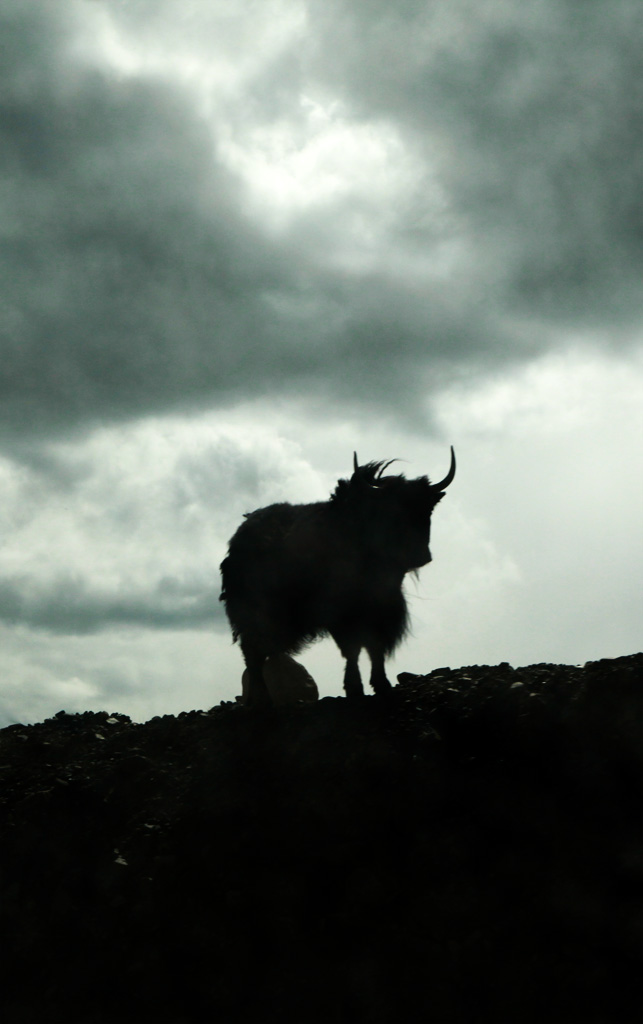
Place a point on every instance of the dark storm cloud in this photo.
(532, 114)
(129, 276)
(134, 280)
(67, 605)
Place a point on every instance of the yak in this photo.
(294, 573)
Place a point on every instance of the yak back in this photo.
(294, 572)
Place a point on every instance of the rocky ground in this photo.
(468, 851)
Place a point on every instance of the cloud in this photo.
(66, 604)
(127, 527)
(304, 198)
(530, 115)
(139, 672)
(550, 476)
(127, 257)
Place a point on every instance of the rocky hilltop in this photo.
(468, 850)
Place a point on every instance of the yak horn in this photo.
(449, 477)
(355, 466)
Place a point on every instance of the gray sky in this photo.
(242, 239)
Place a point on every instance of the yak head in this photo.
(391, 516)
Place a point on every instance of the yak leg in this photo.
(255, 691)
(379, 680)
(352, 679)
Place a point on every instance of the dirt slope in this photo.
(468, 851)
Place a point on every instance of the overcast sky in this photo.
(242, 238)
